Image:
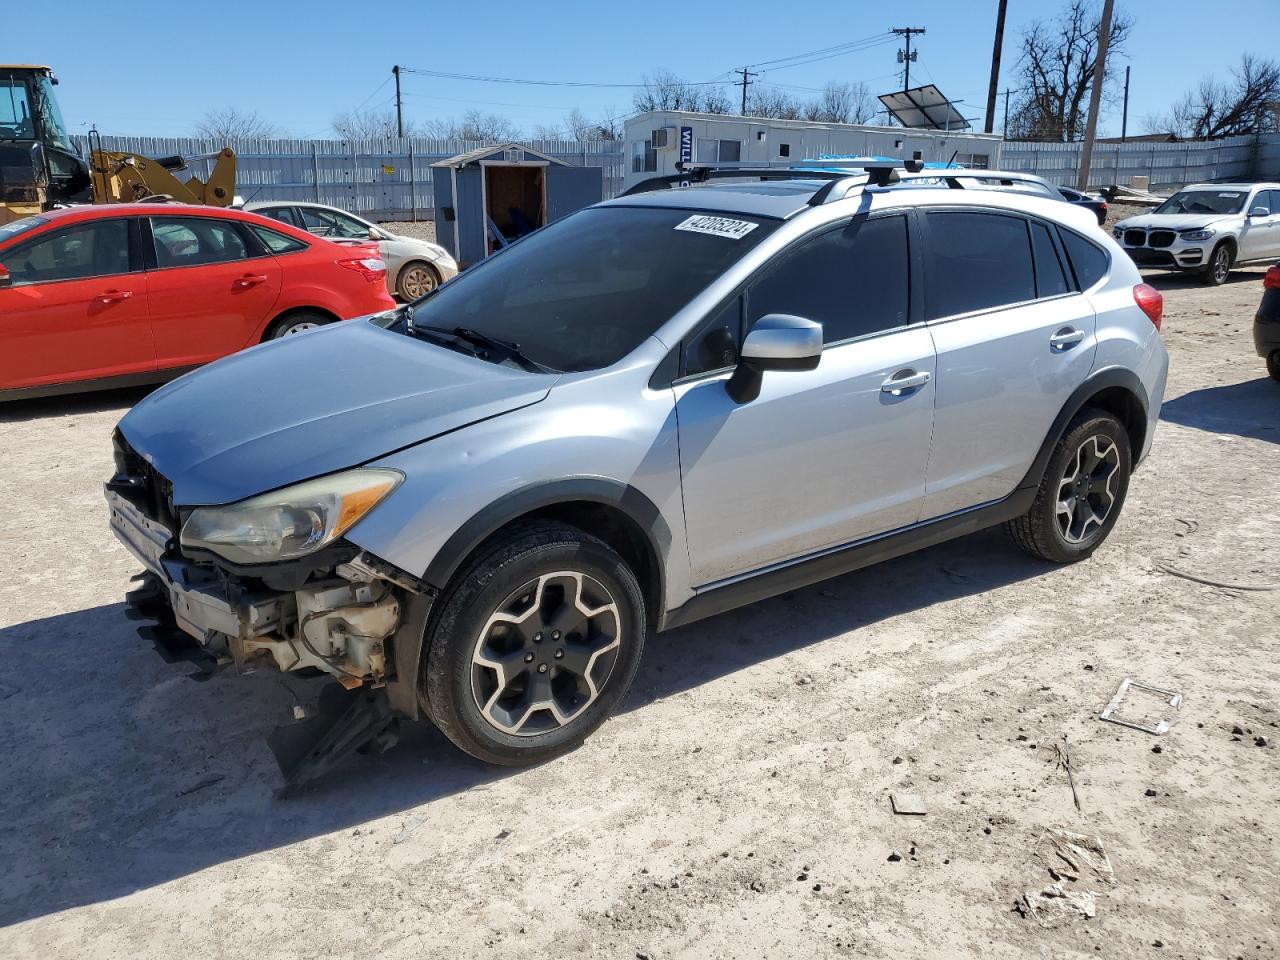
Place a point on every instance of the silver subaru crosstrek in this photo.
(474, 508)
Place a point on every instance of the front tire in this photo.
(1273, 364)
(537, 640)
(416, 280)
(1219, 268)
(1081, 493)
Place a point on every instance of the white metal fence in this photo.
(381, 179)
(1166, 164)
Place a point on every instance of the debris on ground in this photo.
(908, 804)
(1171, 698)
(1074, 856)
(1063, 758)
(1054, 905)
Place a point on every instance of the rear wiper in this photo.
(489, 342)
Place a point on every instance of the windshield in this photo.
(585, 291)
(46, 107)
(17, 227)
(1204, 201)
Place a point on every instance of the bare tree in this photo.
(842, 103)
(772, 102)
(549, 131)
(232, 124)
(1055, 71)
(1245, 104)
(370, 124)
(666, 91)
(474, 125)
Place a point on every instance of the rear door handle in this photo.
(1066, 338)
(114, 296)
(251, 279)
(904, 380)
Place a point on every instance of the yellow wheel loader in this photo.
(40, 167)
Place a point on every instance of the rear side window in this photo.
(195, 241)
(854, 280)
(278, 242)
(977, 261)
(1051, 279)
(283, 214)
(1089, 262)
(99, 248)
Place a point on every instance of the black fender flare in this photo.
(1104, 379)
(614, 493)
(623, 497)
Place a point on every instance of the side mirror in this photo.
(374, 234)
(1260, 212)
(777, 342)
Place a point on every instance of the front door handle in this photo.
(251, 280)
(1066, 338)
(904, 380)
(114, 296)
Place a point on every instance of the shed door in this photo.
(572, 188)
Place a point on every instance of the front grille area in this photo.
(1135, 238)
(1162, 238)
(142, 484)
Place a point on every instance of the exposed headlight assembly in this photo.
(1199, 233)
(291, 522)
(1117, 231)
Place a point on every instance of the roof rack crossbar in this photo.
(839, 174)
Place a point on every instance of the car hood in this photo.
(1173, 221)
(313, 403)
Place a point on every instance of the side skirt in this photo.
(794, 574)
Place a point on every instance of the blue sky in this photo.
(154, 68)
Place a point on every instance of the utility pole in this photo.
(1095, 95)
(1124, 116)
(399, 103)
(907, 58)
(1007, 91)
(745, 73)
(995, 67)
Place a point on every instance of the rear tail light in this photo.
(1271, 281)
(5, 276)
(371, 268)
(1150, 301)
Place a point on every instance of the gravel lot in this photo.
(739, 805)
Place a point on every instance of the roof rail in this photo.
(838, 173)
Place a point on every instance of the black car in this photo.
(1266, 325)
(1095, 203)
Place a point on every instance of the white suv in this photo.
(1207, 228)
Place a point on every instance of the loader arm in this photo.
(130, 177)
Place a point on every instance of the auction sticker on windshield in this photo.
(718, 226)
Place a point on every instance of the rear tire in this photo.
(1219, 267)
(299, 322)
(536, 642)
(1273, 364)
(1081, 493)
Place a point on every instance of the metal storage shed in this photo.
(488, 197)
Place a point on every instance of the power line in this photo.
(443, 75)
(831, 56)
(834, 50)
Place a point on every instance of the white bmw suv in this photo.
(1207, 228)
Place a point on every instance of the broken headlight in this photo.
(291, 522)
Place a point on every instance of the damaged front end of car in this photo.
(269, 581)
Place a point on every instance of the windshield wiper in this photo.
(486, 341)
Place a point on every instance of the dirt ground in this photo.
(739, 805)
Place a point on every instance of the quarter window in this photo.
(854, 280)
(278, 242)
(99, 248)
(715, 345)
(977, 261)
(195, 241)
(1051, 280)
(1090, 263)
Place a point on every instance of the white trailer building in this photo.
(657, 141)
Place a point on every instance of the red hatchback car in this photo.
(98, 296)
